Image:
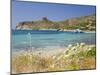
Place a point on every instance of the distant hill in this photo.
(83, 23)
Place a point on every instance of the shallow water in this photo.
(47, 40)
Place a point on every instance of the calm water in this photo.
(49, 40)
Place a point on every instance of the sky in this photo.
(30, 11)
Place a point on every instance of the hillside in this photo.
(83, 23)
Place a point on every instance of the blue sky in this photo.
(29, 11)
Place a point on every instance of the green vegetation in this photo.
(83, 23)
(75, 57)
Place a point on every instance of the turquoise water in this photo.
(49, 40)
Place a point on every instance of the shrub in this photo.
(91, 53)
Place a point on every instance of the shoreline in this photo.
(49, 52)
(61, 30)
(41, 52)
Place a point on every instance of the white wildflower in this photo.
(70, 45)
(89, 48)
(65, 56)
(59, 57)
(73, 48)
(54, 57)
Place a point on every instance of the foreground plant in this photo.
(75, 57)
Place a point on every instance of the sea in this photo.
(47, 40)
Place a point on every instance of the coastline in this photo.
(41, 52)
(61, 30)
(57, 51)
(89, 31)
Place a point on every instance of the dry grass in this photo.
(76, 57)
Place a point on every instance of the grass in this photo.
(75, 57)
